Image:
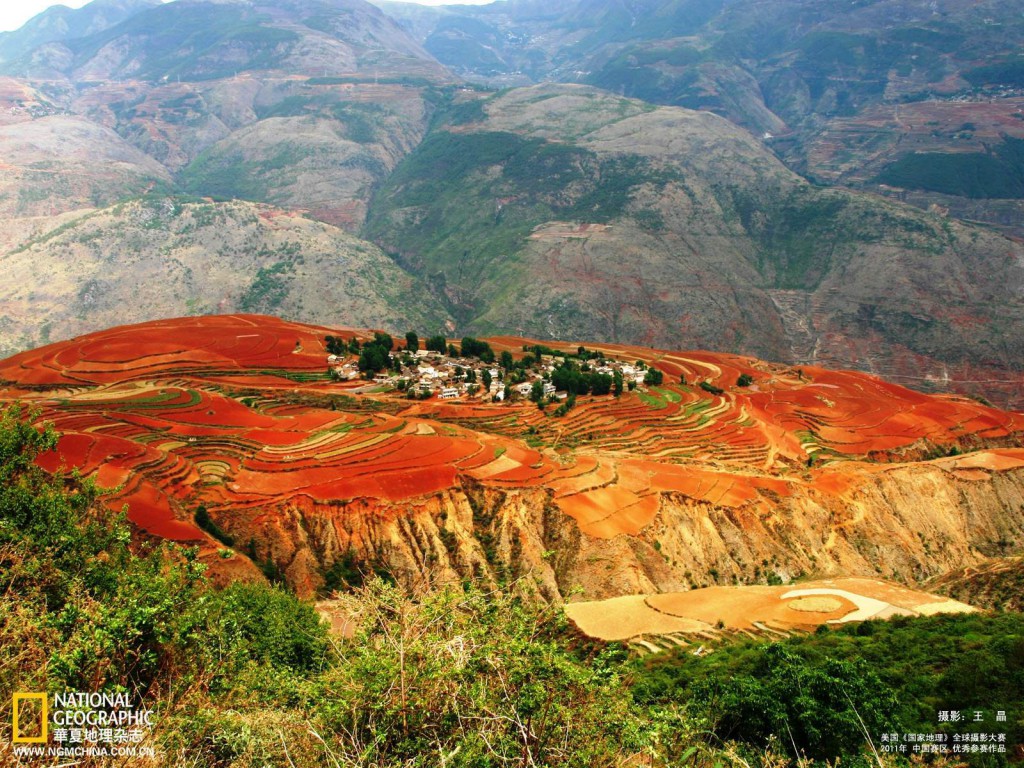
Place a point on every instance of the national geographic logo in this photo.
(30, 718)
(77, 725)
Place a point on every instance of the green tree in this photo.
(537, 392)
(506, 360)
(472, 347)
(653, 377)
(412, 341)
(373, 358)
(335, 345)
(384, 341)
(823, 708)
(456, 678)
(617, 382)
(436, 344)
(600, 383)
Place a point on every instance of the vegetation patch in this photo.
(814, 692)
(997, 174)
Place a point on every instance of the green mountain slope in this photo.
(568, 212)
(861, 93)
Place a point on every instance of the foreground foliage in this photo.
(825, 694)
(250, 676)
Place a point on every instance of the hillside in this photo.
(662, 489)
(570, 212)
(996, 583)
(304, 104)
(550, 211)
(165, 257)
(853, 93)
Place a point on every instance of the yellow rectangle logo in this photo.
(19, 736)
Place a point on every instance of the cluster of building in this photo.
(428, 373)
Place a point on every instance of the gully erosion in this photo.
(707, 469)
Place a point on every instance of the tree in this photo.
(472, 347)
(653, 377)
(823, 708)
(707, 386)
(617, 383)
(745, 380)
(485, 377)
(506, 360)
(383, 340)
(453, 351)
(412, 341)
(373, 358)
(436, 344)
(335, 345)
(537, 391)
(458, 678)
(600, 383)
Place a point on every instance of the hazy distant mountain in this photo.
(59, 23)
(196, 40)
(920, 95)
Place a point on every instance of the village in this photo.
(540, 374)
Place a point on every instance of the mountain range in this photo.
(659, 174)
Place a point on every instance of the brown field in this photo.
(754, 609)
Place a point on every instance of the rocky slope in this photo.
(905, 524)
(163, 257)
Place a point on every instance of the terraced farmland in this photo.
(702, 616)
(236, 414)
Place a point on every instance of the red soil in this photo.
(157, 407)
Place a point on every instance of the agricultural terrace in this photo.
(700, 616)
(244, 412)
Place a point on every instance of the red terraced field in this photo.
(236, 412)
